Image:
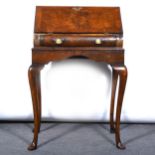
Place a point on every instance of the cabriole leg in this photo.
(122, 72)
(34, 80)
(114, 83)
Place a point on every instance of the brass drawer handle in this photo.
(98, 41)
(58, 41)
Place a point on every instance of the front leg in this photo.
(114, 83)
(122, 72)
(34, 80)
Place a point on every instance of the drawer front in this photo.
(46, 40)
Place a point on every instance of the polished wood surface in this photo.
(121, 72)
(108, 55)
(67, 32)
(78, 40)
(78, 20)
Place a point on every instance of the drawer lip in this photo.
(111, 49)
(82, 34)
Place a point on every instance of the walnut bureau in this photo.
(89, 32)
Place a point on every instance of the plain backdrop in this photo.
(77, 90)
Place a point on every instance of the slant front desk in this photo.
(89, 32)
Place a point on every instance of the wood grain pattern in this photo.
(78, 20)
(77, 28)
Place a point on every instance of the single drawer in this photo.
(77, 40)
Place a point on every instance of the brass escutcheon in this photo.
(77, 8)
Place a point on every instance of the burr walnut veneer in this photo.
(88, 32)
